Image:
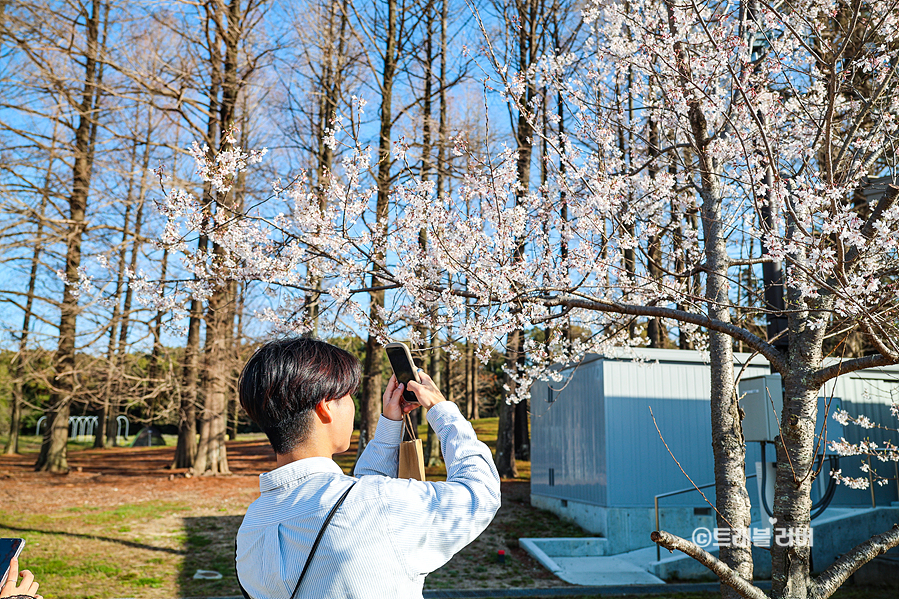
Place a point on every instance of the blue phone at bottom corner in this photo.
(9, 548)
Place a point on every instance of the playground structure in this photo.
(82, 428)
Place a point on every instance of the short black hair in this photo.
(286, 378)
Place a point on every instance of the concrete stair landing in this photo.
(583, 561)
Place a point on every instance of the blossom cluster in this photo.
(621, 217)
(868, 449)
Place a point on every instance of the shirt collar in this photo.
(295, 471)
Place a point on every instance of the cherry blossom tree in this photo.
(767, 121)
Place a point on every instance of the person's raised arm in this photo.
(431, 521)
(381, 454)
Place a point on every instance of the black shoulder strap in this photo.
(243, 591)
(319, 538)
(311, 551)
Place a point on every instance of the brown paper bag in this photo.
(412, 458)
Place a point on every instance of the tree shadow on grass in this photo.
(91, 537)
(209, 545)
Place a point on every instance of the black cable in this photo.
(824, 502)
(765, 483)
(817, 507)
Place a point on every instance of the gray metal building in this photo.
(597, 459)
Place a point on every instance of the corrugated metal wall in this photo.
(869, 393)
(677, 387)
(598, 438)
(604, 450)
(568, 440)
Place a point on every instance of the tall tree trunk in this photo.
(15, 407)
(233, 403)
(469, 380)
(110, 388)
(370, 399)
(522, 431)
(629, 259)
(563, 161)
(475, 387)
(728, 447)
(187, 448)
(529, 19)
(52, 457)
(683, 220)
(654, 328)
(432, 447)
(795, 446)
(124, 326)
(426, 95)
(211, 454)
(136, 243)
(18, 388)
(332, 84)
(441, 126)
(212, 458)
(505, 436)
(729, 450)
(154, 372)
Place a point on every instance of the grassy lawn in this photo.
(32, 444)
(106, 530)
(85, 551)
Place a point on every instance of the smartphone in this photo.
(403, 367)
(9, 548)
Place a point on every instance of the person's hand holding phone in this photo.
(394, 404)
(427, 393)
(26, 587)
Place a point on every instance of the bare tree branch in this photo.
(830, 580)
(721, 570)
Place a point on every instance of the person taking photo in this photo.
(384, 534)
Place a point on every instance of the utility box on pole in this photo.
(761, 398)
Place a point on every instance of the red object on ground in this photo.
(501, 556)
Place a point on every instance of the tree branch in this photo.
(885, 203)
(774, 356)
(661, 153)
(847, 366)
(867, 231)
(830, 580)
(719, 568)
(749, 261)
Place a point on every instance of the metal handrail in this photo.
(672, 494)
(85, 425)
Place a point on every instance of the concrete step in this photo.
(602, 571)
(582, 561)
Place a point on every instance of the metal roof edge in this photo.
(691, 356)
(684, 356)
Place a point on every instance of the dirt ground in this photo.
(123, 516)
(127, 475)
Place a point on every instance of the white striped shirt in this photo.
(388, 534)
